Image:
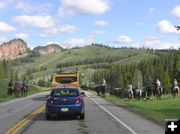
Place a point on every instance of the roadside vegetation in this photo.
(167, 108)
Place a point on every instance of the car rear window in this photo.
(65, 92)
(66, 79)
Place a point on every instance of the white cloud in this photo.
(151, 10)
(4, 27)
(3, 39)
(76, 42)
(36, 21)
(23, 36)
(176, 12)
(5, 3)
(156, 43)
(101, 23)
(165, 26)
(64, 29)
(2, 4)
(28, 7)
(88, 7)
(123, 39)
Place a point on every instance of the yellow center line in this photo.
(25, 121)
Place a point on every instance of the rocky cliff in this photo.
(51, 48)
(13, 49)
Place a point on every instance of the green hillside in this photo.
(77, 57)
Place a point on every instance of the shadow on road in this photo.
(42, 117)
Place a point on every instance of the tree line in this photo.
(164, 66)
(7, 71)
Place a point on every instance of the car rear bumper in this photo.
(58, 109)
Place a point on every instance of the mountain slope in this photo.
(51, 48)
(91, 53)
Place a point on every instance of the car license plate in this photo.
(64, 109)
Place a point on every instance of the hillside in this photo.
(51, 48)
(44, 66)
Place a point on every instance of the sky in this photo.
(71, 23)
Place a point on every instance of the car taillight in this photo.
(79, 100)
(50, 101)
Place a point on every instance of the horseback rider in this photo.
(24, 87)
(104, 82)
(10, 87)
(103, 87)
(17, 84)
(175, 83)
(130, 92)
(158, 83)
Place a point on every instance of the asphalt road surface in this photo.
(27, 115)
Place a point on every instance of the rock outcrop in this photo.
(51, 48)
(13, 49)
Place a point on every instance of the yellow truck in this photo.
(65, 78)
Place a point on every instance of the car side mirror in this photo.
(83, 94)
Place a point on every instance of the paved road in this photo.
(102, 117)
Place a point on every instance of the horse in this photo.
(158, 92)
(129, 93)
(24, 91)
(10, 90)
(175, 91)
(17, 90)
(138, 94)
(100, 89)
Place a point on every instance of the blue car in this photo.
(65, 101)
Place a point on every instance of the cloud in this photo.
(6, 28)
(87, 7)
(27, 7)
(176, 12)
(151, 10)
(3, 39)
(156, 43)
(64, 29)
(5, 3)
(123, 39)
(76, 42)
(166, 27)
(23, 36)
(36, 21)
(101, 23)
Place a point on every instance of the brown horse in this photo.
(17, 90)
(159, 92)
(175, 91)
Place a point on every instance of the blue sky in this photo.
(137, 23)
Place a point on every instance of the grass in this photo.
(51, 60)
(166, 108)
(5, 97)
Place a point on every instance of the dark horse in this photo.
(159, 92)
(101, 89)
(17, 90)
(10, 90)
(175, 91)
